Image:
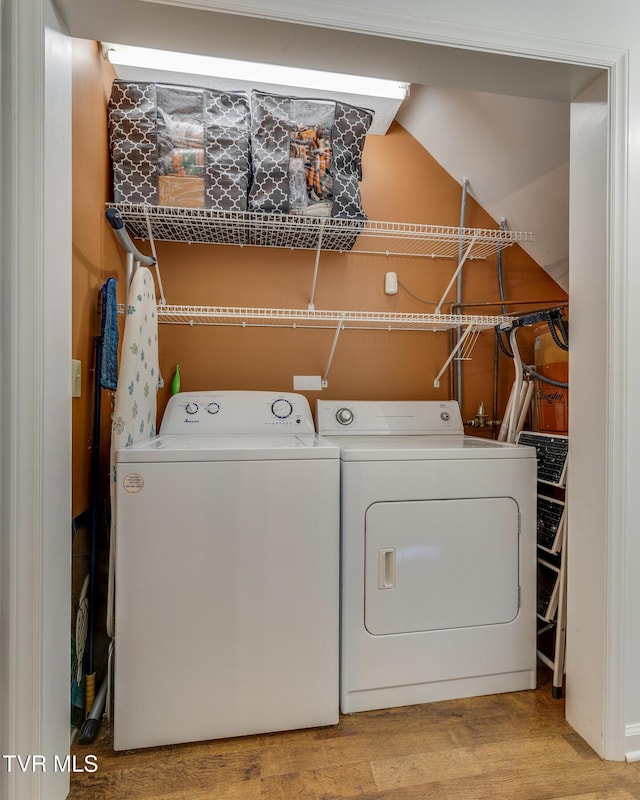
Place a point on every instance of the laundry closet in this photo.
(402, 183)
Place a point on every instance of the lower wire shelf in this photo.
(469, 325)
(292, 317)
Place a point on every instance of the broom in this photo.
(106, 377)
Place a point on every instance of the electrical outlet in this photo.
(310, 383)
(391, 283)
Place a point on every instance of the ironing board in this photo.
(135, 408)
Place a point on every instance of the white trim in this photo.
(359, 18)
(633, 730)
(56, 452)
(613, 700)
(632, 742)
(22, 465)
(36, 429)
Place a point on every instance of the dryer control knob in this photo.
(213, 408)
(445, 416)
(191, 408)
(344, 416)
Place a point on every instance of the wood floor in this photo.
(503, 747)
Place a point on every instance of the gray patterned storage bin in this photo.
(179, 146)
(306, 156)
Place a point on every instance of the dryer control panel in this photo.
(397, 417)
(237, 412)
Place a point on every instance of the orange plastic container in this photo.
(551, 402)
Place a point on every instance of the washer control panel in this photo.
(237, 412)
(361, 417)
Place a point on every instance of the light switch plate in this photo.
(76, 377)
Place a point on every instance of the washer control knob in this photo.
(444, 416)
(213, 408)
(191, 408)
(281, 408)
(344, 416)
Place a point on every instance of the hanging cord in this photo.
(556, 323)
(501, 343)
(559, 335)
(415, 296)
(543, 378)
(161, 301)
(529, 370)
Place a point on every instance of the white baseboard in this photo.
(632, 742)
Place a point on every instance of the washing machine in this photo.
(227, 573)
(438, 581)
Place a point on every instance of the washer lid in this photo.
(221, 447)
(414, 448)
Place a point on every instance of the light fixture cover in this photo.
(381, 96)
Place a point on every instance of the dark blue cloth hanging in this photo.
(109, 334)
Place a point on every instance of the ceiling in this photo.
(514, 153)
(165, 26)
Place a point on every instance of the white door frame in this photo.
(35, 391)
(34, 457)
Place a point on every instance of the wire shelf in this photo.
(305, 318)
(193, 225)
(196, 225)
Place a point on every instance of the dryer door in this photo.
(438, 564)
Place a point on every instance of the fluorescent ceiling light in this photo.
(186, 63)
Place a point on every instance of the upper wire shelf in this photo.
(197, 225)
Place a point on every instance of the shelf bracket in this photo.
(467, 331)
(339, 328)
(316, 266)
(457, 272)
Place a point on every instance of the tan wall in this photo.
(95, 254)
(401, 183)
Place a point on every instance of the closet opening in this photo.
(396, 168)
(590, 287)
(389, 197)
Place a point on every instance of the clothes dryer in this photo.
(227, 558)
(438, 594)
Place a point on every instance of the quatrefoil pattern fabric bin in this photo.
(179, 146)
(306, 156)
